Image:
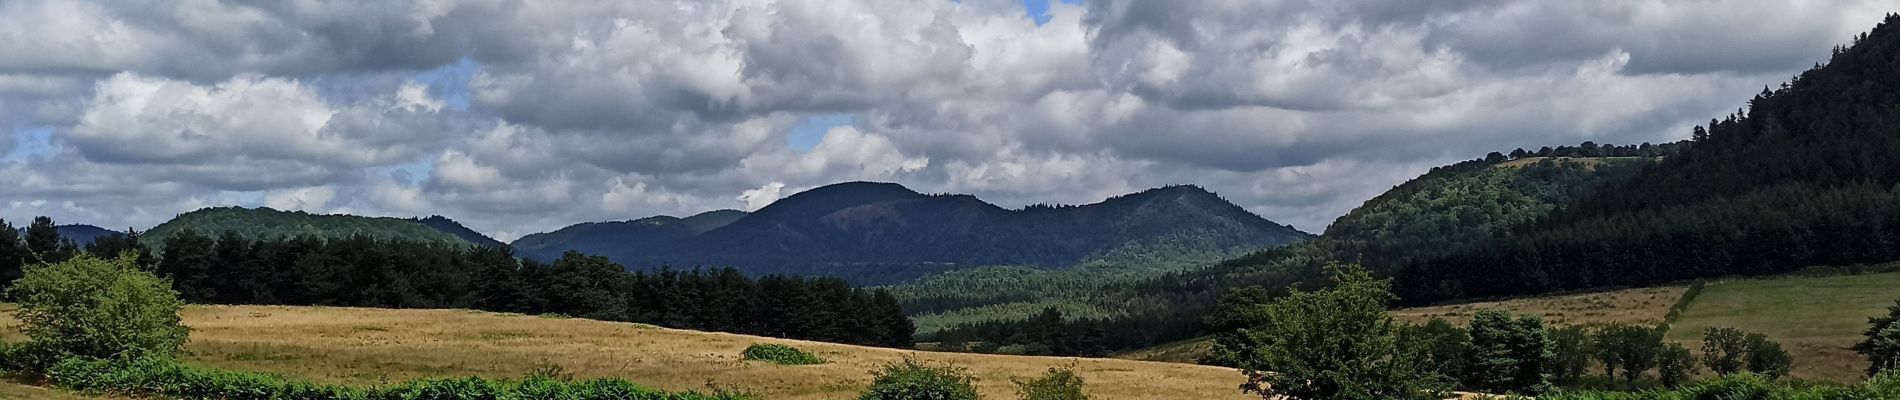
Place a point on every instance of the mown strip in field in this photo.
(1817, 319)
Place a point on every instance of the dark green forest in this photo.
(363, 271)
(266, 223)
(1804, 176)
(1436, 213)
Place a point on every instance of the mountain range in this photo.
(866, 232)
(883, 232)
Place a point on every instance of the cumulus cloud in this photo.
(756, 199)
(605, 110)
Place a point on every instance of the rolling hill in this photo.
(266, 222)
(1436, 213)
(620, 236)
(883, 232)
(449, 226)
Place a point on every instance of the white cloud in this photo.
(609, 110)
(311, 199)
(756, 199)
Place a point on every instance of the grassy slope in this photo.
(1815, 319)
(1643, 305)
(374, 346)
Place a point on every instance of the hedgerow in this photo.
(165, 378)
(1747, 386)
(780, 354)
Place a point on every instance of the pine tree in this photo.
(1507, 355)
(43, 241)
(13, 254)
(1882, 347)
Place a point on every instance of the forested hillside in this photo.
(266, 223)
(1805, 175)
(1435, 213)
(620, 237)
(449, 226)
(875, 233)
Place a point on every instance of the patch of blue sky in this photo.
(1038, 10)
(450, 82)
(808, 133)
(30, 142)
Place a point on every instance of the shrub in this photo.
(1674, 365)
(1057, 384)
(780, 354)
(913, 380)
(1766, 357)
(93, 307)
(164, 378)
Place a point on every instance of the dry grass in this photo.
(1632, 306)
(16, 391)
(1815, 319)
(374, 346)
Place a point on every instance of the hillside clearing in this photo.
(1817, 319)
(377, 346)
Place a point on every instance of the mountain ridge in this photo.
(893, 233)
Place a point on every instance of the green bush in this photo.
(913, 380)
(93, 307)
(1749, 386)
(163, 378)
(780, 354)
(1057, 384)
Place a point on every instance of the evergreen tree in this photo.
(188, 263)
(13, 254)
(1507, 355)
(43, 241)
(1882, 347)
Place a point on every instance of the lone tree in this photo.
(103, 308)
(1882, 346)
(1334, 343)
(1724, 350)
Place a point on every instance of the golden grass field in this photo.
(1816, 320)
(375, 346)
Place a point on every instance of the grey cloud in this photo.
(594, 110)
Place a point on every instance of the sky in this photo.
(516, 117)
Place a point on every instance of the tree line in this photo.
(1339, 342)
(360, 271)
